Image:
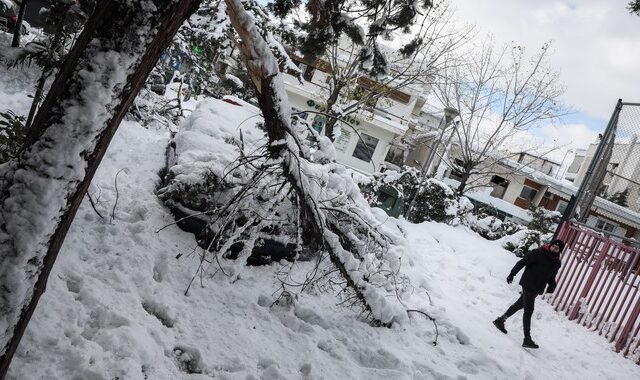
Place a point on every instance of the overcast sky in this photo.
(596, 47)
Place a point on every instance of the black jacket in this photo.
(540, 269)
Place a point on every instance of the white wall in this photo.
(347, 141)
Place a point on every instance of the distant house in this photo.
(515, 185)
(623, 171)
(388, 132)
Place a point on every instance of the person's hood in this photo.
(559, 243)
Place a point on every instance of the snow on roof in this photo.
(566, 190)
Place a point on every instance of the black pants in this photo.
(527, 301)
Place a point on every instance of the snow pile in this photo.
(200, 146)
(115, 307)
(115, 304)
(217, 139)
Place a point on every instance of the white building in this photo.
(381, 134)
(623, 171)
(513, 187)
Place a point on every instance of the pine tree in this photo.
(634, 7)
(64, 19)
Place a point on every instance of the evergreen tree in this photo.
(634, 7)
(543, 220)
(64, 19)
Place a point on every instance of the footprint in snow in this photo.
(160, 311)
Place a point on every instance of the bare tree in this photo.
(498, 94)
(347, 35)
(41, 190)
(350, 90)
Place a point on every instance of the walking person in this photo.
(540, 268)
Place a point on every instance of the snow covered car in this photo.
(9, 17)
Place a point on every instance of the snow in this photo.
(115, 307)
(115, 304)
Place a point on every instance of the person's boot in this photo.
(529, 343)
(499, 323)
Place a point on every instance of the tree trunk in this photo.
(263, 69)
(36, 98)
(41, 190)
(331, 121)
(463, 183)
(17, 30)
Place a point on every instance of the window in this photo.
(307, 74)
(603, 225)
(395, 156)
(562, 207)
(318, 123)
(528, 193)
(365, 147)
(499, 186)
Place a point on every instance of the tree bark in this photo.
(17, 30)
(42, 189)
(331, 122)
(463, 183)
(36, 98)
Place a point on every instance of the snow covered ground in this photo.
(115, 306)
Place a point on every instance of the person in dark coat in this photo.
(540, 268)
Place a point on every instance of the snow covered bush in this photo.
(436, 201)
(224, 177)
(404, 182)
(524, 240)
(543, 220)
(492, 228)
(539, 230)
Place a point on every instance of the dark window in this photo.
(455, 172)
(497, 180)
(395, 156)
(562, 206)
(365, 147)
(499, 186)
(605, 226)
(308, 72)
(528, 193)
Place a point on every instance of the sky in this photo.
(595, 45)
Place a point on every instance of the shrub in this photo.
(437, 202)
(12, 135)
(492, 228)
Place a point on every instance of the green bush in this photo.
(436, 201)
(12, 135)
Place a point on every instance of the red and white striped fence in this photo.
(598, 287)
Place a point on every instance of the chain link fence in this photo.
(610, 170)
